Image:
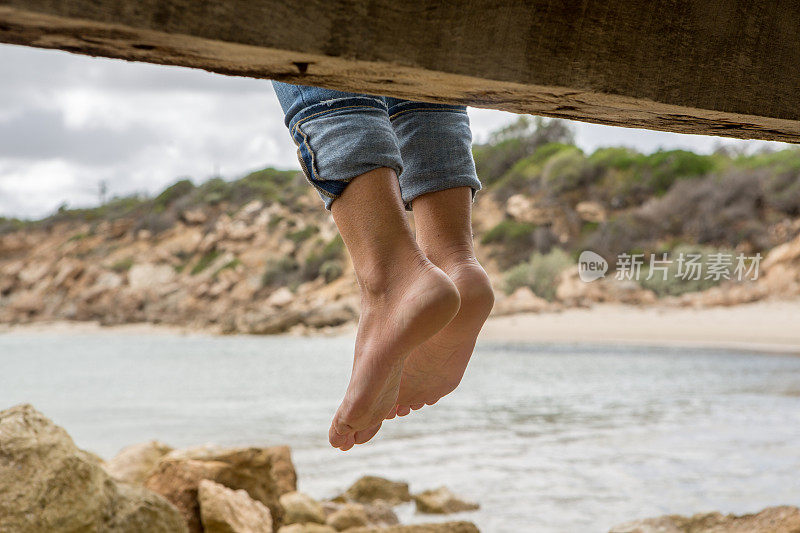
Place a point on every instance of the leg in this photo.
(349, 152)
(405, 300)
(438, 182)
(444, 232)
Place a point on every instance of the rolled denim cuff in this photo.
(340, 139)
(436, 147)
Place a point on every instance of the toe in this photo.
(363, 436)
(403, 410)
(336, 437)
(392, 413)
(349, 443)
(417, 406)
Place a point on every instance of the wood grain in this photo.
(714, 67)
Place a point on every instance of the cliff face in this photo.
(261, 270)
(260, 255)
(267, 269)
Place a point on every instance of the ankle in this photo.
(450, 255)
(381, 276)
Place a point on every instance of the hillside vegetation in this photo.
(260, 255)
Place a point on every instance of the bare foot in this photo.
(408, 305)
(435, 368)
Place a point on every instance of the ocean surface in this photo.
(545, 438)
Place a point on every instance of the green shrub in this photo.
(205, 260)
(280, 271)
(565, 171)
(663, 168)
(331, 270)
(516, 141)
(674, 285)
(171, 194)
(233, 263)
(510, 233)
(302, 235)
(540, 273)
(123, 265)
(330, 252)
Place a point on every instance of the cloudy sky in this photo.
(68, 123)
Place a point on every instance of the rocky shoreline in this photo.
(48, 484)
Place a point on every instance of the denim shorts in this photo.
(342, 135)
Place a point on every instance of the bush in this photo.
(674, 285)
(123, 265)
(330, 252)
(540, 273)
(233, 263)
(302, 235)
(171, 194)
(331, 270)
(509, 232)
(515, 141)
(205, 260)
(565, 171)
(280, 271)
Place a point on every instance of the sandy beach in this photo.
(761, 326)
(770, 326)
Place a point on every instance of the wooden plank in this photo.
(713, 67)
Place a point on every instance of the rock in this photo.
(442, 501)
(380, 513)
(223, 510)
(441, 527)
(307, 528)
(783, 253)
(48, 484)
(264, 473)
(333, 314)
(107, 281)
(784, 519)
(572, 291)
(27, 302)
(591, 211)
(300, 508)
(134, 463)
(522, 300)
(281, 297)
(347, 516)
(149, 276)
(194, 216)
(371, 488)
(33, 272)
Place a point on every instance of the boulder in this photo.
(134, 463)
(149, 276)
(333, 314)
(264, 473)
(300, 508)
(783, 519)
(223, 510)
(440, 527)
(281, 297)
(380, 513)
(48, 484)
(442, 501)
(371, 488)
(590, 211)
(347, 516)
(522, 300)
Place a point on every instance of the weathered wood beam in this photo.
(714, 67)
